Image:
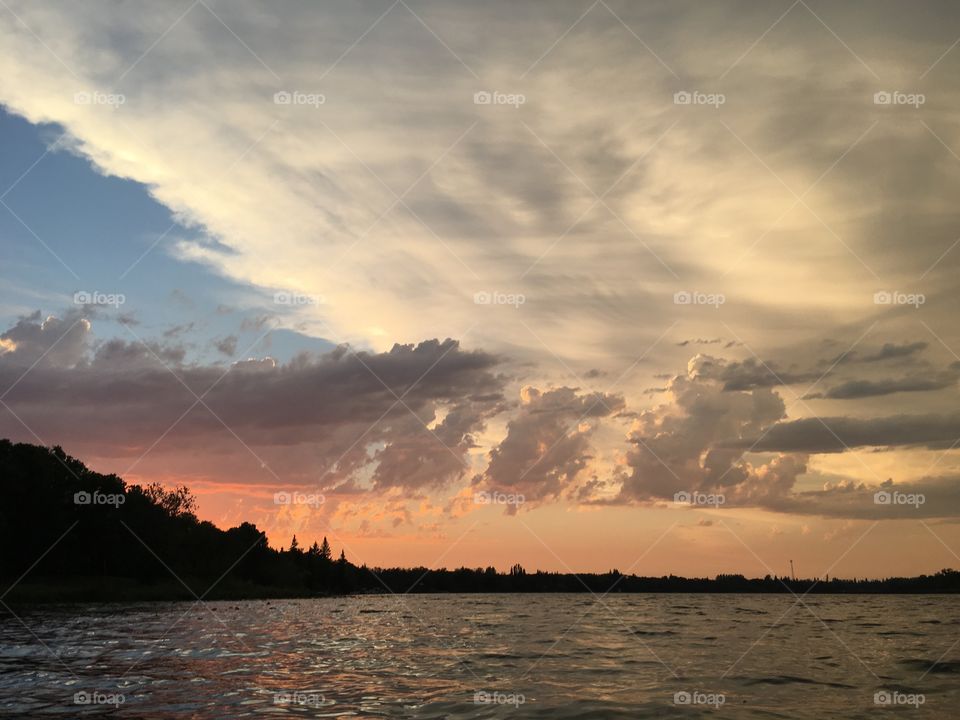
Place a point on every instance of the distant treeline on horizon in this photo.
(71, 534)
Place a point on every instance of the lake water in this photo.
(486, 656)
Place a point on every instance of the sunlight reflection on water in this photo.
(484, 656)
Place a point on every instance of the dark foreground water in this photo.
(484, 656)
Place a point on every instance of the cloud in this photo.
(893, 350)
(738, 443)
(837, 434)
(926, 497)
(748, 374)
(351, 412)
(177, 330)
(52, 342)
(227, 345)
(856, 389)
(489, 192)
(547, 443)
(683, 444)
(888, 351)
(255, 324)
(701, 341)
(420, 459)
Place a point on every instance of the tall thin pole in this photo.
(792, 577)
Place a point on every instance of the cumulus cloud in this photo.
(739, 444)
(682, 445)
(52, 341)
(548, 442)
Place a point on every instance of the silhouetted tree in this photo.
(177, 502)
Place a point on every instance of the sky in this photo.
(657, 286)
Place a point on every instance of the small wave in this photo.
(945, 667)
(654, 633)
(792, 680)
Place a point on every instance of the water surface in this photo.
(486, 656)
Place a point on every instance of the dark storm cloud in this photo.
(892, 350)
(856, 389)
(888, 351)
(750, 373)
(330, 401)
(837, 434)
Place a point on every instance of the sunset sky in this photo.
(398, 257)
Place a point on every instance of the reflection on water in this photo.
(485, 656)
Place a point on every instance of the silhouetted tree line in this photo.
(147, 544)
(517, 580)
(151, 545)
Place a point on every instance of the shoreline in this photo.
(94, 590)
